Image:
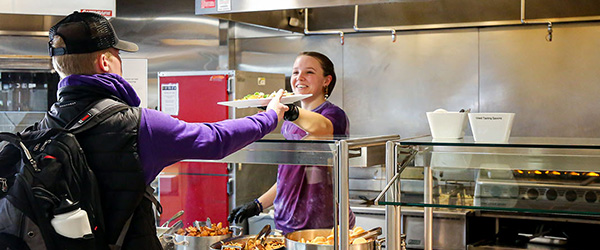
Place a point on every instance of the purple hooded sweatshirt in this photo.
(164, 140)
(305, 193)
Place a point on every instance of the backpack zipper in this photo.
(4, 184)
(44, 145)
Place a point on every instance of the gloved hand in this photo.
(292, 114)
(243, 212)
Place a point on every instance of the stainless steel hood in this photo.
(352, 15)
(26, 25)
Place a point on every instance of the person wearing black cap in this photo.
(129, 149)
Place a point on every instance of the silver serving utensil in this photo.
(177, 215)
(197, 225)
(262, 235)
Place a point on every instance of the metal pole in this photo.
(343, 195)
(390, 211)
(428, 213)
(336, 202)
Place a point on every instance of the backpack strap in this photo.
(149, 194)
(99, 111)
(15, 139)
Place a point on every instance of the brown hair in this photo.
(326, 65)
(75, 64)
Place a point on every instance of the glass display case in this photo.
(338, 153)
(525, 176)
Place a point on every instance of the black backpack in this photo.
(39, 171)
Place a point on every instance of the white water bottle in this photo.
(71, 221)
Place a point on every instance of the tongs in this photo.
(200, 224)
(261, 237)
(177, 215)
(373, 233)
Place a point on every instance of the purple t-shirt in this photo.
(164, 140)
(305, 193)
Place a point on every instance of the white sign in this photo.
(223, 5)
(57, 7)
(135, 71)
(169, 101)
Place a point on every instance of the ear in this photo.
(327, 80)
(102, 65)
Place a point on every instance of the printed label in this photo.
(107, 13)
(169, 102)
(224, 5)
(207, 4)
(488, 118)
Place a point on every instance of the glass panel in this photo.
(524, 175)
(27, 91)
(526, 142)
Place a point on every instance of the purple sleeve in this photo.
(165, 140)
(338, 118)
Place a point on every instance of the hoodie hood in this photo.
(113, 83)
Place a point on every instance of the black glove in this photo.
(243, 212)
(292, 114)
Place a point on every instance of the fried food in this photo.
(253, 244)
(329, 239)
(213, 230)
(261, 95)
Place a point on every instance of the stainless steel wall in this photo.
(387, 87)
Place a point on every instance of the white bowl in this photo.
(491, 127)
(447, 125)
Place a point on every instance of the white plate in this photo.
(263, 101)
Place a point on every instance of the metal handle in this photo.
(171, 239)
(386, 188)
(177, 215)
(379, 243)
(405, 162)
(237, 231)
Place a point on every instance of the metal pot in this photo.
(183, 242)
(242, 239)
(292, 241)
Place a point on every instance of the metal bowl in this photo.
(292, 241)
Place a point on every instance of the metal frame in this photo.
(341, 168)
(323, 153)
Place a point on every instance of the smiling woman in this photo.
(303, 196)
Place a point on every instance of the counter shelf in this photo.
(524, 175)
(335, 152)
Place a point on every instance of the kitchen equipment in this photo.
(292, 241)
(183, 242)
(491, 127)
(243, 239)
(211, 189)
(538, 189)
(447, 125)
(167, 235)
(177, 215)
(262, 235)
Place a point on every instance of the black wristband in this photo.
(292, 114)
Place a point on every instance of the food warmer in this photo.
(334, 152)
(533, 190)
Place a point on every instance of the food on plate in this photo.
(261, 95)
(321, 240)
(213, 230)
(251, 244)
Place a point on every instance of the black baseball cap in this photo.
(86, 32)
